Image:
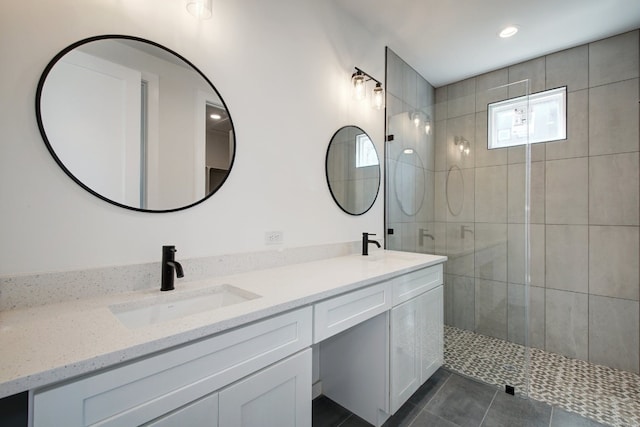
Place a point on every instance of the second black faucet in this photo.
(169, 265)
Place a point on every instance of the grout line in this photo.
(553, 409)
(495, 394)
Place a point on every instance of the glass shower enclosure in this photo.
(447, 193)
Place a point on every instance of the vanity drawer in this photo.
(342, 312)
(413, 284)
(141, 391)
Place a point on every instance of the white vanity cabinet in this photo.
(198, 384)
(373, 365)
(277, 396)
(416, 344)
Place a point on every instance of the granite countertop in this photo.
(52, 343)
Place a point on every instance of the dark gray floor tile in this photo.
(327, 413)
(462, 401)
(427, 419)
(562, 418)
(424, 394)
(507, 410)
(403, 416)
(355, 421)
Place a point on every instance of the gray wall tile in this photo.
(516, 251)
(577, 142)
(491, 251)
(491, 308)
(613, 261)
(491, 87)
(491, 194)
(464, 127)
(567, 256)
(461, 98)
(533, 70)
(568, 68)
(460, 250)
(516, 320)
(442, 95)
(613, 118)
(460, 195)
(614, 59)
(440, 142)
(516, 193)
(566, 191)
(464, 297)
(613, 332)
(566, 323)
(614, 189)
(484, 156)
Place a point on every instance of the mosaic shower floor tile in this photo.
(607, 395)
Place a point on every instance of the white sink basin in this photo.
(171, 306)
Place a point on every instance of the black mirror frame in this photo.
(40, 87)
(326, 173)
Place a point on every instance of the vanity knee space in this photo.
(380, 356)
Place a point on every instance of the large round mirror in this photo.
(135, 123)
(353, 170)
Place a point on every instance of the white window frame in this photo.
(521, 112)
(366, 154)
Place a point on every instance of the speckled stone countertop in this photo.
(51, 343)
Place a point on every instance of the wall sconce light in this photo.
(378, 96)
(463, 145)
(359, 80)
(201, 9)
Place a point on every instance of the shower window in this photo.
(540, 117)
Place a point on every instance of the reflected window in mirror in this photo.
(352, 170)
(135, 123)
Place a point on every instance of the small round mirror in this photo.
(135, 123)
(410, 182)
(353, 170)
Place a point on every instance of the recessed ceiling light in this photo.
(508, 31)
(216, 116)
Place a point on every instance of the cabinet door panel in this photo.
(404, 352)
(277, 396)
(432, 332)
(202, 413)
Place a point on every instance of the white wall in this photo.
(283, 69)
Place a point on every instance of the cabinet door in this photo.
(277, 396)
(201, 413)
(431, 332)
(404, 352)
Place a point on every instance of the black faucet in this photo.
(366, 241)
(169, 264)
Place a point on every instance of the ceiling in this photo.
(449, 40)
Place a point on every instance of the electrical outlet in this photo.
(274, 237)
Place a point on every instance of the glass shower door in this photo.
(449, 194)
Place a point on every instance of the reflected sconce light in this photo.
(427, 125)
(359, 81)
(415, 118)
(201, 9)
(463, 145)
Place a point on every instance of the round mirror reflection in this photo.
(135, 123)
(353, 170)
(410, 181)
